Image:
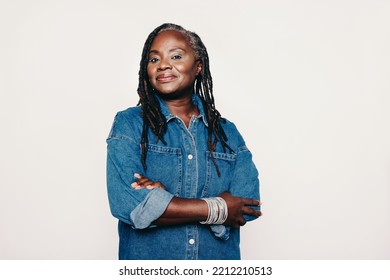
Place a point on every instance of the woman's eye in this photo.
(177, 56)
(153, 60)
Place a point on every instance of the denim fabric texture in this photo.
(185, 168)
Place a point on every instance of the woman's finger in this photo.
(251, 212)
(158, 185)
(144, 182)
(251, 202)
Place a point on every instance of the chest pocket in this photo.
(215, 185)
(164, 164)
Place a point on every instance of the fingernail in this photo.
(134, 185)
(149, 187)
(136, 175)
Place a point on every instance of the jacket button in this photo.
(191, 241)
(190, 156)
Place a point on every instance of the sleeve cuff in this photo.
(221, 231)
(151, 208)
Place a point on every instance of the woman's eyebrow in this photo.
(171, 50)
(176, 49)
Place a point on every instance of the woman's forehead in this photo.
(171, 36)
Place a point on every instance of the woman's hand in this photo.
(237, 207)
(144, 182)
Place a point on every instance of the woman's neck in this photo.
(184, 108)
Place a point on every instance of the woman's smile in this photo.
(165, 78)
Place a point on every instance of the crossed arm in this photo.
(184, 210)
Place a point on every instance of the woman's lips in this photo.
(165, 78)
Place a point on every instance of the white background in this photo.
(306, 82)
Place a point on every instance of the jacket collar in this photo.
(196, 99)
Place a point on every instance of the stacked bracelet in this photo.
(218, 211)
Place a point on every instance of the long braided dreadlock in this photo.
(151, 113)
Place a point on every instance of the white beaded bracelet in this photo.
(217, 211)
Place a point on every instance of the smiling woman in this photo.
(186, 194)
(173, 66)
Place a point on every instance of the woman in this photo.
(180, 178)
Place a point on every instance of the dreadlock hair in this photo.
(151, 113)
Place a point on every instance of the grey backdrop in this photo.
(306, 82)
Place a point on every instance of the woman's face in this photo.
(172, 66)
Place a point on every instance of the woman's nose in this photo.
(164, 64)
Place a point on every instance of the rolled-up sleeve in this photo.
(139, 208)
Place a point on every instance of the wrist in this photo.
(217, 211)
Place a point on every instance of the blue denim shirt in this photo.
(185, 168)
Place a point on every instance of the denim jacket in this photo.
(184, 166)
